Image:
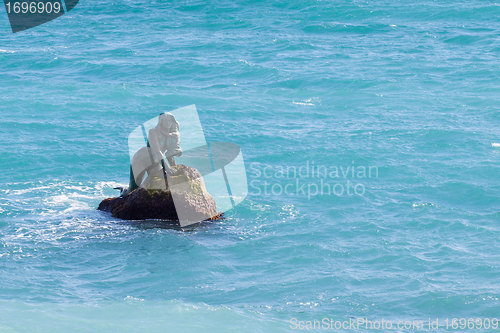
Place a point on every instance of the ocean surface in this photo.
(368, 130)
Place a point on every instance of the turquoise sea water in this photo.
(409, 89)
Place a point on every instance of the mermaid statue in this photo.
(163, 144)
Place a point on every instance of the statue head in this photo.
(167, 123)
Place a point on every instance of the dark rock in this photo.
(186, 189)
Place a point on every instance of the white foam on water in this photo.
(65, 200)
(131, 298)
(308, 102)
(421, 205)
(495, 145)
(59, 197)
(302, 103)
(33, 189)
(106, 189)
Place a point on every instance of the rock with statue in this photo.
(161, 189)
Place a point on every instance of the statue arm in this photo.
(154, 144)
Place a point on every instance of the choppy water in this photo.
(410, 89)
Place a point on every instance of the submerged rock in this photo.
(185, 200)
